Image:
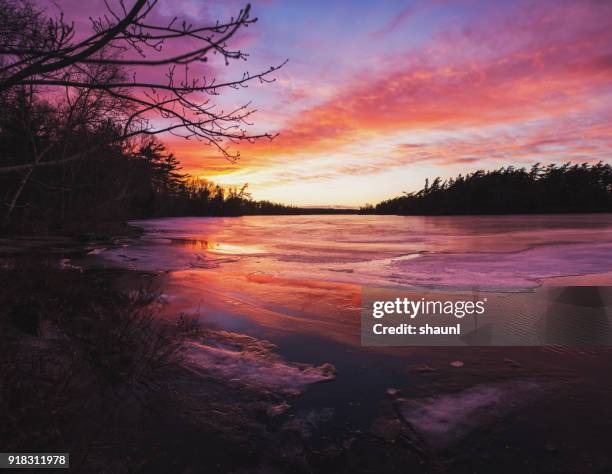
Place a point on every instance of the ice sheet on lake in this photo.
(253, 362)
(489, 252)
(505, 270)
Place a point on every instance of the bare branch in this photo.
(94, 76)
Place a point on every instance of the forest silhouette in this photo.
(566, 188)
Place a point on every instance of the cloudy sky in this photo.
(379, 95)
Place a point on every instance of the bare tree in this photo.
(101, 96)
(39, 51)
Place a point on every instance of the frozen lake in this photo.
(296, 281)
(507, 253)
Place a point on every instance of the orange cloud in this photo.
(537, 86)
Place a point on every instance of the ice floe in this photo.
(253, 362)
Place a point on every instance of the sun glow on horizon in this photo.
(417, 90)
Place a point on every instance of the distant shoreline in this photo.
(332, 211)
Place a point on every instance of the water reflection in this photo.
(198, 245)
(304, 274)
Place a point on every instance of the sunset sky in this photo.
(377, 96)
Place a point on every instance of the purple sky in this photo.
(379, 95)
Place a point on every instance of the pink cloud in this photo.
(563, 73)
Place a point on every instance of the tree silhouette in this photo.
(103, 104)
(551, 189)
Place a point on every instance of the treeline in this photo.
(566, 188)
(164, 191)
(116, 180)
